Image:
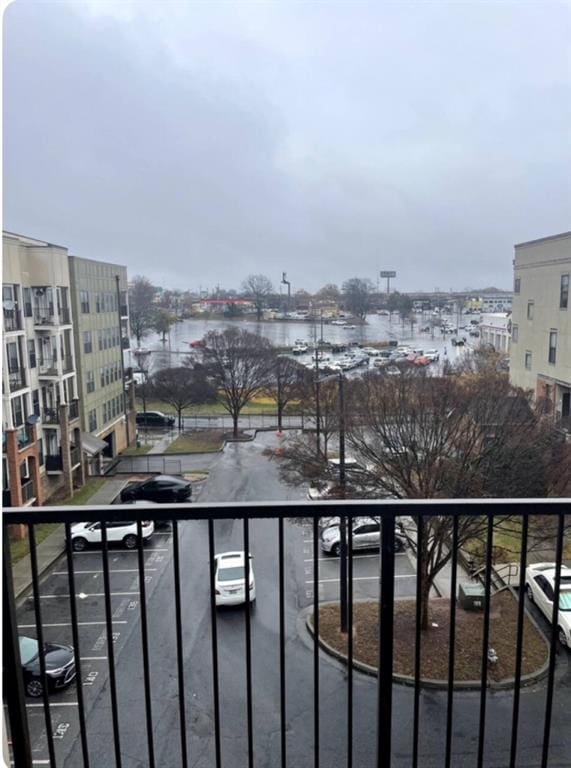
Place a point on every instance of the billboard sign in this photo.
(389, 273)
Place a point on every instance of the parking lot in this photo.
(366, 573)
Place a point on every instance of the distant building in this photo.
(101, 323)
(41, 444)
(540, 357)
(495, 330)
(496, 302)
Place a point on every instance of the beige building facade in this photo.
(540, 357)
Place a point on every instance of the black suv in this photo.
(164, 489)
(154, 419)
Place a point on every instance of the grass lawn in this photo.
(255, 408)
(203, 441)
(142, 449)
(434, 642)
(20, 548)
(507, 541)
(83, 495)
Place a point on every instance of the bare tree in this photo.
(286, 383)
(357, 296)
(258, 288)
(180, 387)
(240, 364)
(141, 306)
(329, 293)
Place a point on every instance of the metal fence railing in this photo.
(155, 672)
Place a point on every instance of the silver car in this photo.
(366, 535)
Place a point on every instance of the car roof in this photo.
(230, 559)
(549, 570)
(170, 478)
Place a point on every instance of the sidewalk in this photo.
(51, 548)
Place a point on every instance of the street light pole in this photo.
(343, 521)
(317, 410)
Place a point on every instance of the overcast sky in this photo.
(200, 142)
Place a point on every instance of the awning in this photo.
(92, 444)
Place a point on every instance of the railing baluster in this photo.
(316, 641)
(214, 633)
(451, 642)
(553, 644)
(485, 640)
(40, 633)
(13, 683)
(248, 646)
(519, 640)
(350, 642)
(385, 666)
(418, 619)
(145, 643)
(75, 636)
(110, 645)
(282, 641)
(179, 646)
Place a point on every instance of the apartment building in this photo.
(101, 323)
(541, 327)
(41, 445)
(495, 331)
(496, 302)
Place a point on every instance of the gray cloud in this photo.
(197, 143)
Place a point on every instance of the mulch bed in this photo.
(434, 642)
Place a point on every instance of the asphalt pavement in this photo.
(242, 473)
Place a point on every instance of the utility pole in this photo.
(285, 281)
(317, 413)
(343, 520)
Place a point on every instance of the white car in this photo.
(83, 534)
(230, 579)
(540, 589)
(432, 354)
(366, 535)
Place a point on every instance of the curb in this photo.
(408, 680)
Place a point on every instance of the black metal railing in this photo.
(47, 366)
(54, 463)
(12, 320)
(74, 409)
(16, 379)
(75, 455)
(44, 316)
(50, 416)
(24, 436)
(305, 694)
(27, 491)
(64, 315)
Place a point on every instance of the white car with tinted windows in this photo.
(230, 578)
(540, 589)
(122, 532)
(366, 535)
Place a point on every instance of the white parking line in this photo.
(363, 578)
(55, 704)
(93, 658)
(111, 570)
(123, 552)
(83, 595)
(68, 624)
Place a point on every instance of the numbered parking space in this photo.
(92, 630)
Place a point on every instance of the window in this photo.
(27, 302)
(530, 310)
(517, 285)
(98, 302)
(104, 413)
(87, 343)
(84, 301)
(107, 376)
(92, 420)
(564, 292)
(32, 353)
(36, 402)
(17, 412)
(552, 357)
(102, 376)
(12, 357)
(515, 333)
(528, 360)
(90, 381)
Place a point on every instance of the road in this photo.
(243, 473)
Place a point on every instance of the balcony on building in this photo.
(12, 320)
(50, 417)
(47, 318)
(74, 410)
(47, 367)
(16, 379)
(28, 494)
(383, 719)
(54, 463)
(67, 364)
(24, 436)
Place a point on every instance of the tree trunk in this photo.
(179, 411)
(424, 603)
(280, 410)
(235, 422)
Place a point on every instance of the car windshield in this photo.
(565, 600)
(28, 649)
(231, 574)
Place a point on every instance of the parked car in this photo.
(145, 503)
(366, 535)
(433, 355)
(540, 589)
(230, 579)
(164, 489)
(59, 661)
(124, 532)
(154, 419)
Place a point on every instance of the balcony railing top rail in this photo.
(389, 511)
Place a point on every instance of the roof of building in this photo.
(543, 239)
(26, 240)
